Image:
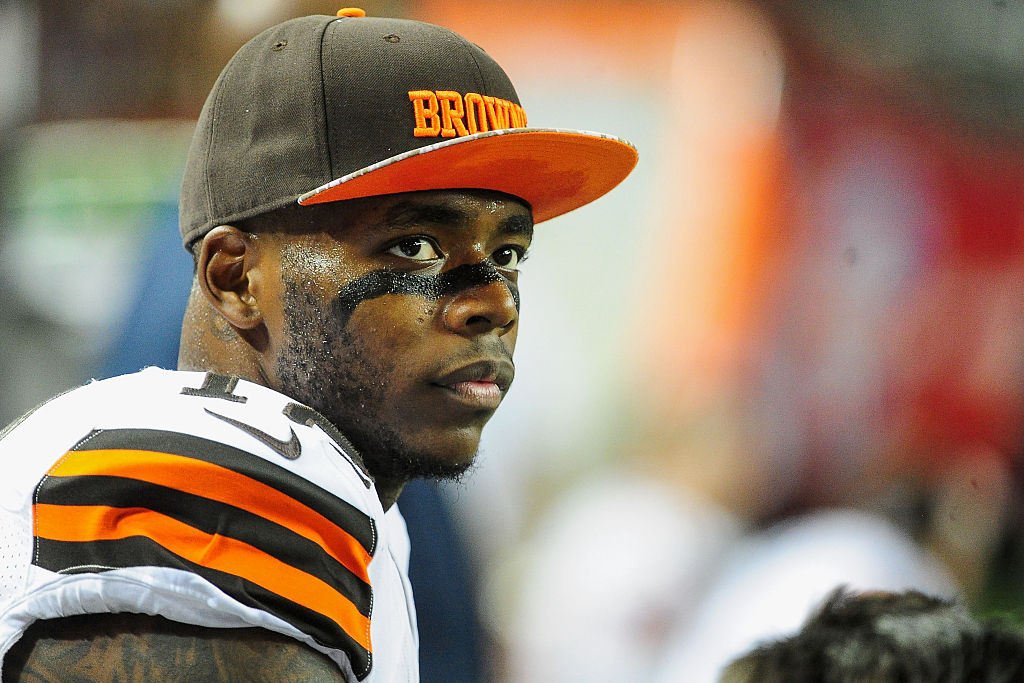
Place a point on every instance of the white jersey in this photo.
(207, 500)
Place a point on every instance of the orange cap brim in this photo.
(553, 170)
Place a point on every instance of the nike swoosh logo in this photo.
(304, 415)
(290, 449)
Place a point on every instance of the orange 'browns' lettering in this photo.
(449, 114)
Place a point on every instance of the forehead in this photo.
(470, 210)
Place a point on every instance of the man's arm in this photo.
(136, 647)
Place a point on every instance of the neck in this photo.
(210, 344)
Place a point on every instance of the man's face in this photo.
(398, 317)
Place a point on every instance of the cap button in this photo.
(351, 12)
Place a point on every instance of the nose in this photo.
(481, 309)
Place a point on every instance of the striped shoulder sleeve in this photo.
(263, 535)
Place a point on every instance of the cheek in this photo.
(396, 335)
(312, 270)
(510, 337)
(324, 268)
(394, 324)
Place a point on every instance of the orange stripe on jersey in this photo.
(221, 484)
(221, 553)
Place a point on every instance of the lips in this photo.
(481, 384)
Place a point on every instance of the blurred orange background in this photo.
(806, 298)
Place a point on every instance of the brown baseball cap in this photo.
(320, 109)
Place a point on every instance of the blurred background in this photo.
(787, 353)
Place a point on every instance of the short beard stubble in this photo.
(331, 370)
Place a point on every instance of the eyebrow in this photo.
(517, 225)
(410, 213)
(404, 214)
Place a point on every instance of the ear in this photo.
(224, 270)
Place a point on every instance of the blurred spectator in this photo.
(611, 568)
(768, 582)
(824, 371)
(887, 638)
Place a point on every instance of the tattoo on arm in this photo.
(137, 648)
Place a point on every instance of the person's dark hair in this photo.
(887, 637)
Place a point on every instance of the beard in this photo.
(331, 370)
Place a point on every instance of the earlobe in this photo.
(226, 259)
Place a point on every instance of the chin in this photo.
(455, 447)
(424, 455)
(449, 459)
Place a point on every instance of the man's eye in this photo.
(416, 248)
(509, 257)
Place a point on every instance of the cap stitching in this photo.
(215, 117)
(323, 102)
(479, 71)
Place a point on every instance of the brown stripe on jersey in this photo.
(97, 556)
(360, 526)
(213, 507)
(218, 483)
(85, 524)
(205, 515)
